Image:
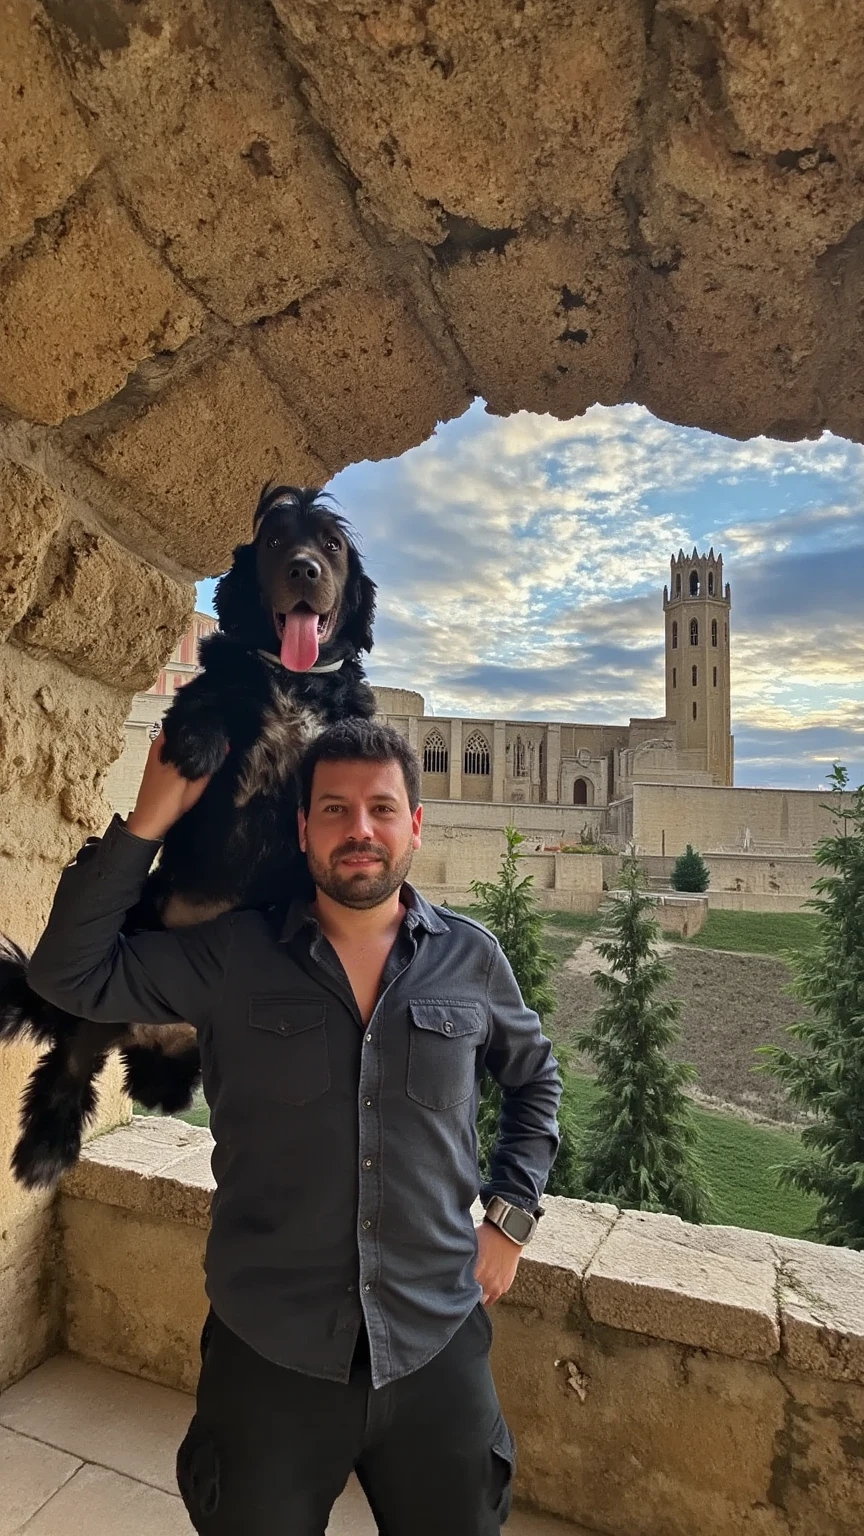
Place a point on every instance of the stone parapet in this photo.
(662, 1379)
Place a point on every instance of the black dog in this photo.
(294, 612)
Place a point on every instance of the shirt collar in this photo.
(418, 914)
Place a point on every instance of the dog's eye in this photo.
(333, 545)
(274, 541)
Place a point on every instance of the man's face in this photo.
(360, 835)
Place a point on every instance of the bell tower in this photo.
(698, 695)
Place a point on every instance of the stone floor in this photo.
(86, 1451)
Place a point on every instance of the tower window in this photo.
(674, 677)
(710, 583)
(674, 634)
(694, 631)
(541, 760)
(713, 631)
(519, 769)
(715, 677)
(678, 585)
(694, 583)
(436, 758)
(694, 711)
(695, 676)
(477, 754)
(726, 634)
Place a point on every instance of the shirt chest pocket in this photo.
(442, 1052)
(287, 1049)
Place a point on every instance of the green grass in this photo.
(738, 1159)
(757, 933)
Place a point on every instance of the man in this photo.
(342, 1050)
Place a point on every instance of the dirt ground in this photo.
(732, 1003)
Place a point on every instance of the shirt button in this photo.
(368, 1038)
(448, 1028)
(368, 1103)
(366, 1226)
(367, 1162)
(367, 1286)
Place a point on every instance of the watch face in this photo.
(518, 1225)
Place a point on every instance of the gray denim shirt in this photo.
(345, 1156)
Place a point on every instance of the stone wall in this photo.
(661, 1379)
(666, 817)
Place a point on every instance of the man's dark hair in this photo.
(361, 741)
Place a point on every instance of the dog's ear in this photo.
(236, 600)
(359, 601)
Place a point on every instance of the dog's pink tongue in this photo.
(300, 641)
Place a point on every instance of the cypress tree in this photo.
(827, 1077)
(508, 908)
(638, 1147)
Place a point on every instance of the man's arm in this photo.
(85, 965)
(520, 1059)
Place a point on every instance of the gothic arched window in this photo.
(695, 676)
(694, 711)
(674, 677)
(678, 585)
(694, 583)
(694, 631)
(674, 634)
(710, 583)
(715, 677)
(713, 631)
(477, 757)
(436, 758)
(519, 768)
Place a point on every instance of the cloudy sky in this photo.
(521, 565)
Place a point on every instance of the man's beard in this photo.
(360, 888)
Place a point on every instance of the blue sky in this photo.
(521, 562)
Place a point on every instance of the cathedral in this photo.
(554, 763)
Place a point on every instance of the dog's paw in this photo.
(193, 752)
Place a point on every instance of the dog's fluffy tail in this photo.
(24, 1015)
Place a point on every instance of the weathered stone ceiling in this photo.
(244, 238)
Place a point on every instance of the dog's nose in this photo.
(304, 568)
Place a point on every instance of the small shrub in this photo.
(691, 872)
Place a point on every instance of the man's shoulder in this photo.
(469, 924)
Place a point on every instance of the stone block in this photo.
(134, 1288)
(201, 454)
(29, 1283)
(568, 340)
(30, 513)
(684, 1293)
(106, 613)
(154, 1167)
(636, 1437)
(81, 306)
(211, 145)
(821, 1294)
(45, 152)
(357, 365)
(472, 114)
(550, 1274)
(57, 734)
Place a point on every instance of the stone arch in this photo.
(582, 792)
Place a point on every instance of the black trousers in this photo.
(270, 1450)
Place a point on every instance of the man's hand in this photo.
(164, 795)
(497, 1261)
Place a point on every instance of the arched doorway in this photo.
(580, 792)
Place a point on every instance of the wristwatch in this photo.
(512, 1220)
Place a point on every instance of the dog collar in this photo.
(330, 666)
